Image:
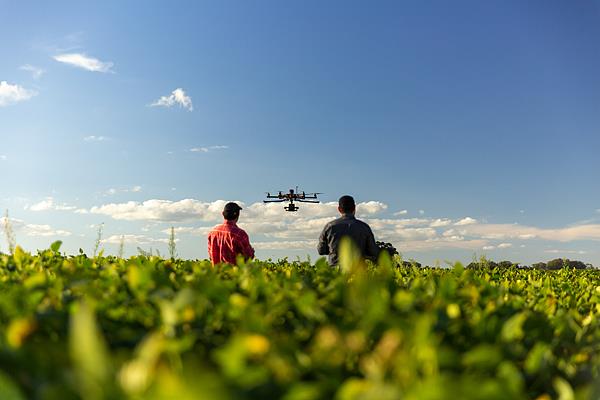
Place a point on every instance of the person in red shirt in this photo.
(227, 240)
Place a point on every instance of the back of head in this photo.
(347, 204)
(231, 211)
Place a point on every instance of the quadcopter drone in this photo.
(291, 196)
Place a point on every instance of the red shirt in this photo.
(226, 241)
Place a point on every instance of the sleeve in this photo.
(210, 248)
(372, 248)
(246, 249)
(323, 246)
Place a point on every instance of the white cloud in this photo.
(189, 230)
(516, 231)
(44, 231)
(15, 224)
(421, 212)
(452, 233)
(33, 230)
(80, 60)
(3, 157)
(440, 222)
(133, 239)
(557, 251)
(412, 234)
(93, 138)
(208, 149)
(440, 244)
(11, 94)
(113, 191)
(177, 96)
(64, 207)
(36, 72)
(270, 224)
(526, 236)
(196, 210)
(286, 245)
(401, 212)
(371, 207)
(49, 204)
(44, 205)
(163, 210)
(466, 221)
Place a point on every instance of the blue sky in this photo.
(482, 110)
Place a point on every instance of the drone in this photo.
(291, 196)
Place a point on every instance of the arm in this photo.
(210, 248)
(372, 250)
(245, 248)
(323, 246)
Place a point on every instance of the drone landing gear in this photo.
(291, 207)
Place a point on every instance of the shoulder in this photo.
(218, 228)
(238, 231)
(363, 224)
(334, 222)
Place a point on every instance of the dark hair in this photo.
(347, 204)
(231, 211)
(230, 215)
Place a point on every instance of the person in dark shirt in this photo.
(347, 225)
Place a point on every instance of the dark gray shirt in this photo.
(347, 225)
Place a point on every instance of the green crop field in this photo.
(152, 328)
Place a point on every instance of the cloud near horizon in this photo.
(33, 230)
(274, 228)
(134, 239)
(85, 62)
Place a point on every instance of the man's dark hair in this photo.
(347, 204)
(231, 215)
(231, 211)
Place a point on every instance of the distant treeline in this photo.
(555, 264)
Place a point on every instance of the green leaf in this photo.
(483, 357)
(88, 352)
(8, 389)
(56, 246)
(538, 358)
(564, 389)
(512, 330)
